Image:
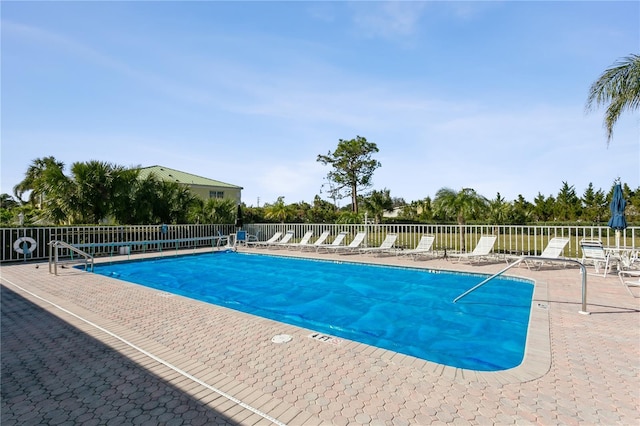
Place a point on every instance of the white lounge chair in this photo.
(303, 241)
(553, 250)
(271, 240)
(480, 252)
(424, 247)
(336, 242)
(352, 247)
(385, 247)
(593, 252)
(625, 279)
(335, 248)
(320, 241)
(284, 241)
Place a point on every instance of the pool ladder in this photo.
(583, 270)
(54, 260)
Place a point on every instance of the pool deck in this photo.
(82, 348)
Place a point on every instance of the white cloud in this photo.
(389, 19)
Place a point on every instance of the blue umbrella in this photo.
(618, 203)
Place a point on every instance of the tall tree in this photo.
(568, 205)
(353, 167)
(543, 207)
(522, 211)
(462, 205)
(619, 87)
(594, 205)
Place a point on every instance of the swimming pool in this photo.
(406, 310)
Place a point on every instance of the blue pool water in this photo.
(405, 310)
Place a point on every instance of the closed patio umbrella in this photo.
(617, 206)
(239, 218)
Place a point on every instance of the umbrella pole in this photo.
(617, 238)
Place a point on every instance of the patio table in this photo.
(626, 256)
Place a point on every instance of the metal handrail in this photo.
(55, 245)
(549, 259)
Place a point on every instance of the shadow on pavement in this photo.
(53, 373)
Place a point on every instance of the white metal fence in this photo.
(22, 244)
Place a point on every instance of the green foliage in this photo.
(619, 87)
(459, 205)
(377, 203)
(253, 214)
(499, 210)
(278, 211)
(213, 210)
(99, 192)
(595, 208)
(543, 209)
(350, 217)
(7, 202)
(521, 212)
(6, 216)
(567, 206)
(353, 167)
(321, 211)
(462, 205)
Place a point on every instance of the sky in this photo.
(488, 95)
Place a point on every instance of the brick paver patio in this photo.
(79, 348)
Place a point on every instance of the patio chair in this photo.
(320, 241)
(553, 250)
(275, 237)
(625, 279)
(385, 247)
(480, 252)
(424, 247)
(221, 240)
(241, 237)
(303, 241)
(593, 252)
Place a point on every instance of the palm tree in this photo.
(377, 203)
(499, 210)
(38, 178)
(278, 211)
(95, 188)
(618, 86)
(462, 205)
(174, 201)
(218, 210)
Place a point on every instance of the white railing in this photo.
(518, 240)
(105, 240)
(23, 244)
